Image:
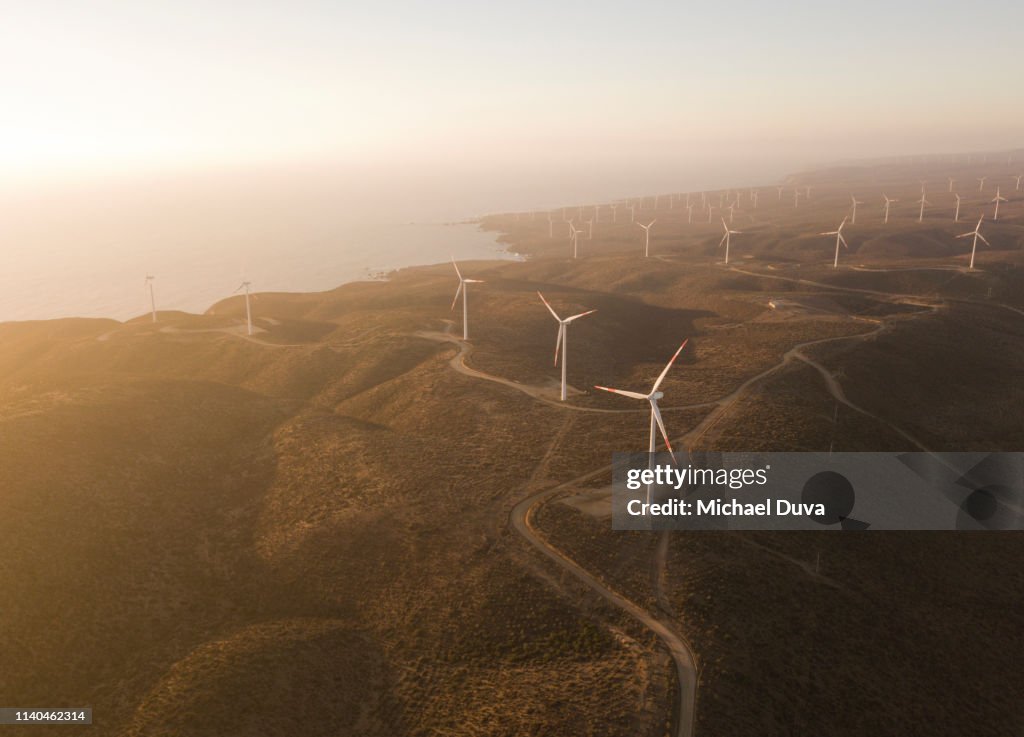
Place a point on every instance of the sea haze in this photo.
(75, 254)
(83, 246)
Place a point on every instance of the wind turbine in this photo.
(647, 236)
(981, 183)
(796, 198)
(997, 199)
(615, 212)
(725, 239)
(632, 213)
(1018, 178)
(551, 226)
(853, 217)
(653, 398)
(838, 233)
(977, 234)
(574, 236)
(730, 208)
(780, 192)
(248, 309)
(951, 180)
(956, 217)
(887, 203)
(590, 229)
(689, 214)
(465, 298)
(563, 335)
(923, 202)
(152, 298)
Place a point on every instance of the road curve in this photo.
(521, 519)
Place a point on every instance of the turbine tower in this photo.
(725, 239)
(853, 217)
(997, 199)
(647, 236)
(956, 217)
(981, 183)
(923, 202)
(562, 341)
(152, 298)
(951, 180)
(464, 290)
(838, 233)
(887, 203)
(248, 309)
(1018, 178)
(977, 234)
(574, 236)
(652, 398)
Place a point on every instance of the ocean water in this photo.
(82, 246)
(87, 280)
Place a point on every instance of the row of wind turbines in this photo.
(734, 199)
(657, 423)
(246, 285)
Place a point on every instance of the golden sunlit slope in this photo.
(311, 525)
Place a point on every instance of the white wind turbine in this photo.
(796, 198)
(838, 233)
(997, 199)
(647, 236)
(1018, 178)
(653, 398)
(780, 187)
(951, 180)
(726, 239)
(563, 336)
(981, 183)
(615, 212)
(632, 213)
(248, 309)
(590, 229)
(689, 214)
(464, 290)
(956, 216)
(152, 297)
(888, 202)
(551, 226)
(977, 234)
(922, 202)
(574, 236)
(853, 217)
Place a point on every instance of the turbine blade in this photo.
(842, 240)
(582, 314)
(473, 281)
(550, 309)
(623, 392)
(661, 424)
(456, 268)
(457, 293)
(667, 367)
(558, 341)
(983, 239)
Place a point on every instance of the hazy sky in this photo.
(525, 88)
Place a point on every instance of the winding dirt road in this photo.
(521, 518)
